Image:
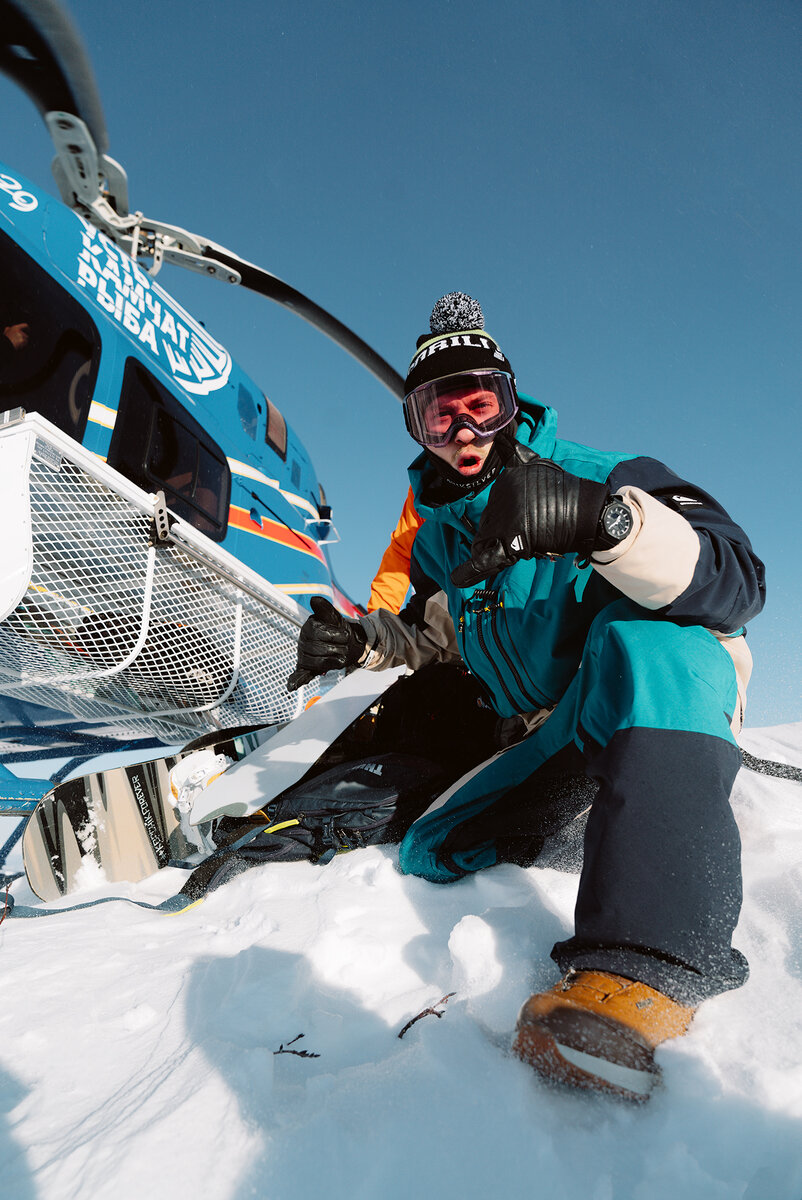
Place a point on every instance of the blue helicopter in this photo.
(164, 526)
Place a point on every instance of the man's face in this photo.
(466, 451)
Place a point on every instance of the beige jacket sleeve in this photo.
(655, 564)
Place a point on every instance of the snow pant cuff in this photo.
(673, 978)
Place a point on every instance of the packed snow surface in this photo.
(249, 1047)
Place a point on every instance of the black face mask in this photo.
(451, 485)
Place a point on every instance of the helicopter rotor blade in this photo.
(41, 50)
(256, 279)
(43, 53)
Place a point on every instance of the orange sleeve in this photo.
(390, 587)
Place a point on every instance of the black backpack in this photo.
(428, 729)
(371, 784)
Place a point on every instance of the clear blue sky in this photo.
(619, 185)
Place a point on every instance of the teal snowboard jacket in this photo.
(523, 631)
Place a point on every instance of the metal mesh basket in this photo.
(175, 638)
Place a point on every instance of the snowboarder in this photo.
(600, 599)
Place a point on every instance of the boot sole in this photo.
(560, 1063)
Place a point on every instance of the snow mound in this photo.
(249, 1047)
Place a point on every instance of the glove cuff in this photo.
(357, 643)
(592, 499)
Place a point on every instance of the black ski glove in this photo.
(328, 642)
(535, 508)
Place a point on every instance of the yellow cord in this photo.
(281, 825)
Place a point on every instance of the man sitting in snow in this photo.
(600, 600)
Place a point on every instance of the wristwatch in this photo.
(615, 524)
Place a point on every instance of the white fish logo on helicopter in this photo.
(120, 286)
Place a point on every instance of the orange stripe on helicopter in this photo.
(274, 531)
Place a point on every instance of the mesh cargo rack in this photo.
(102, 618)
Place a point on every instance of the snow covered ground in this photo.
(140, 1053)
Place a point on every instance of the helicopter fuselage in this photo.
(117, 364)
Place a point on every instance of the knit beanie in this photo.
(457, 342)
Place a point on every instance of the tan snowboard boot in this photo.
(599, 1031)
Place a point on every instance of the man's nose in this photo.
(464, 436)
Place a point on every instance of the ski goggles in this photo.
(483, 401)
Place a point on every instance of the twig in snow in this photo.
(433, 1011)
(300, 1053)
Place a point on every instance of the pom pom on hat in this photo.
(455, 312)
(458, 342)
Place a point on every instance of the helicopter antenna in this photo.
(41, 50)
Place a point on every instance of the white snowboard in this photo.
(287, 756)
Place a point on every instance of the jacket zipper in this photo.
(486, 601)
(508, 658)
(492, 661)
(529, 690)
(479, 604)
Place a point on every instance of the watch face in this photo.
(617, 520)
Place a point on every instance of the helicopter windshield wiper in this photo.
(43, 53)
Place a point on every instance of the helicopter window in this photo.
(208, 472)
(247, 412)
(276, 431)
(158, 444)
(171, 458)
(49, 346)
